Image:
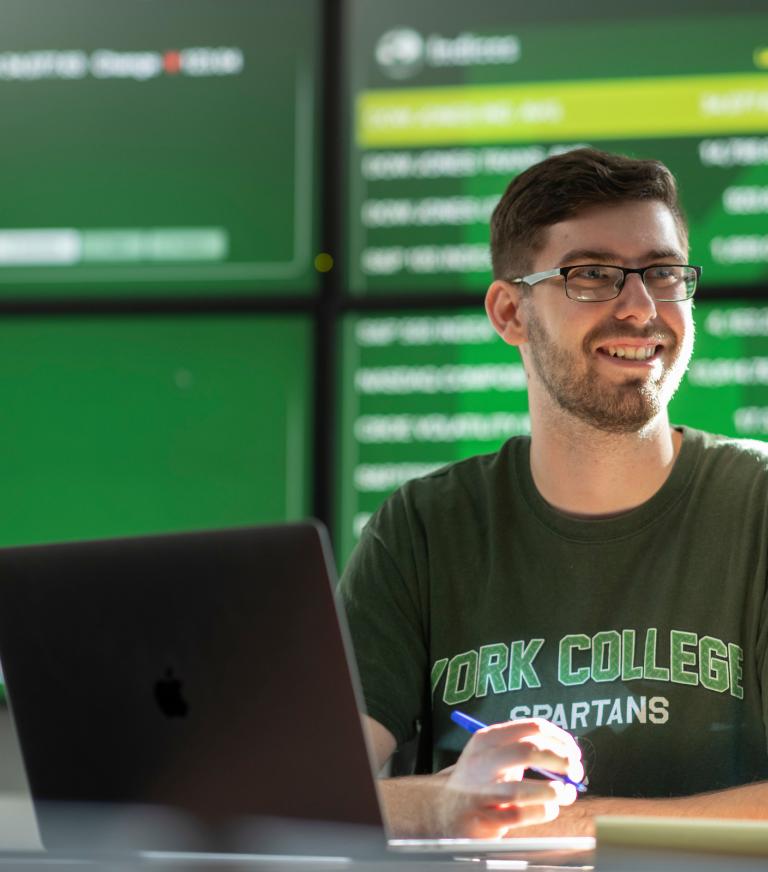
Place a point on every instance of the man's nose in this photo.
(635, 301)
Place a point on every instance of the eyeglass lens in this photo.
(664, 283)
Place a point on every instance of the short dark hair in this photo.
(561, 186)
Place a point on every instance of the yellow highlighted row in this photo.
(558, 111)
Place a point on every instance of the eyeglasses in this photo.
(596, 283)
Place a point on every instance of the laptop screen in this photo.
(202, 676)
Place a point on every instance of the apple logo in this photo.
(169, 697)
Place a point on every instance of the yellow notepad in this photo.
(701, 835)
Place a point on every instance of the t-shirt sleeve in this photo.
(379, 592)
(761, 653)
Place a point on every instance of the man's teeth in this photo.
(631, 352)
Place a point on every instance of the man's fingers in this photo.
(532, 729)
(496, 822)
(534, 813)
(526, 792)
(569, 765)
(507, 762)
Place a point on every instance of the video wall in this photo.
(179, 176)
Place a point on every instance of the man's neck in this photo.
(588, 473)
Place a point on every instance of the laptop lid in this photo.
(186, 691)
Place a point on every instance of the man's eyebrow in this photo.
(588, 255)
(596, 255)
(665, 253)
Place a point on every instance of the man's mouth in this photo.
(630, 352)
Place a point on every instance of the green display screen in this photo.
(128, 425)
(445, 109)
(157, 147)
(422, 390)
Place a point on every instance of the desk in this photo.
(21, 851)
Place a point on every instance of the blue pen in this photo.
(472, 726)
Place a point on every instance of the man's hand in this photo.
(484, 793)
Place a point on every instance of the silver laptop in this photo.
(191, 692)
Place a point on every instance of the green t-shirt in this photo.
(645, 635)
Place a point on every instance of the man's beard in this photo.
(624, 407)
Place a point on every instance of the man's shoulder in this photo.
(470, 474)
(468, 485)
(729, 455)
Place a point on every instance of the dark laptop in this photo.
(186, 692)
(194, 692)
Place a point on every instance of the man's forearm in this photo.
(411, 807)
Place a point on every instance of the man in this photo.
(606, 575)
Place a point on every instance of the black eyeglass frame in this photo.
(535, 278)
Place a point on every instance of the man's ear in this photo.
(503, 304)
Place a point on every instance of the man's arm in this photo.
(483, 795)
(381, 741)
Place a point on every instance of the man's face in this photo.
(581, 354)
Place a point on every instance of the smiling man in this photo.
(604, 579)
